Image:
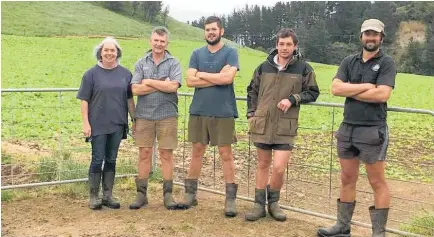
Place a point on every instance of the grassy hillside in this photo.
(79, 19)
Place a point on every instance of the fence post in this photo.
(59, 144)
(331, 153)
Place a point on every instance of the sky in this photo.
(189, 10)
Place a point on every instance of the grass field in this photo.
(33, 58)
(39, 62)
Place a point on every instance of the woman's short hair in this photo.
(98, 48)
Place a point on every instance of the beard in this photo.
(371, 46)
(214, 42)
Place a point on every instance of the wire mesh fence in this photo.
(42, 144)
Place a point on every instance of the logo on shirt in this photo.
(376, 67)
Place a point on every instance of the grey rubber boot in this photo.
(230, 202)
(169, 202)
(273, 197)
(379, 221)
(342, 228)
(94, 181)
(108, 179)
(190, 194)
(258, 210)
(141, 197)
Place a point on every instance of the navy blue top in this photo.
(107, 92)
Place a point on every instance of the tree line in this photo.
(148, 11)
(329, 31)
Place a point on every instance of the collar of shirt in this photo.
(279, 66)
(167, 55)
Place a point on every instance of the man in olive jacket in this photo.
(279, 86)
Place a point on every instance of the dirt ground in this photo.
(53, 215)
(56, 215)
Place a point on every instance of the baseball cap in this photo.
(372, 24)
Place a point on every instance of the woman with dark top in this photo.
(106, 99)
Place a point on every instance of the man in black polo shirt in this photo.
(366, 80)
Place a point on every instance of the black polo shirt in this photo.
(379, 70)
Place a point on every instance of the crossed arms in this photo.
(204, 79)
(365, 92)
(149, 86)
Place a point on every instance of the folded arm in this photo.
(346, 89)
(163, 86)
(142, 89)
(380, 94)
(224, 77)
(194, 81)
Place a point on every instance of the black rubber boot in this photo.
(230, 202)
(141, 198)
(169, 202)
(108, 179)
(94, 181)
(273, 197)
(190, 194)
(379, 221)
(258, 210)
(342, 228)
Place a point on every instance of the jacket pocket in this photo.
(287, 126)
(257, 125)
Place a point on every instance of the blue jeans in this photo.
(105, 148)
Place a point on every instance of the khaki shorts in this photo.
(166, 131)
(212, 130)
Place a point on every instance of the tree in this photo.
(135, 6)
(115, 6)
(412, 59)
(151, 9)
(386, 12)
(195, 24)
(428, 54)
(329, 31)
(165, 15)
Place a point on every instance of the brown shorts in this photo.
(166, 131)
(366, 143)
(212, 130)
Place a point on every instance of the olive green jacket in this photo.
(296, 82)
